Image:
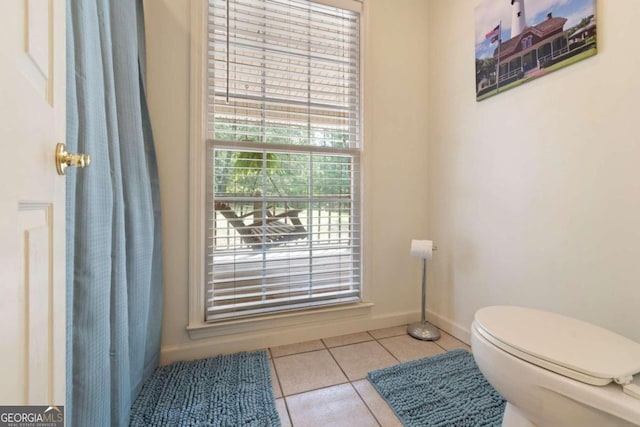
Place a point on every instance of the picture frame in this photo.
(517, 41)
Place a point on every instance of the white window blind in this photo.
(283, 137)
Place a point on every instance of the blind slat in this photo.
(333, 44)
(299, 19)
(351, 281)
(214, 314)
(281, 291)
(286, 301)
(261, 274)
(250, 37)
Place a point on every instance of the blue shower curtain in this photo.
(114, 260)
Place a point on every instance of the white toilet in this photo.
(557, 371)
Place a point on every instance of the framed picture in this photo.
(521, 40)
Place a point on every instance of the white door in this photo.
(32, 251)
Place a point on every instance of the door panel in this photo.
(32, 310)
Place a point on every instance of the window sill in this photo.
(204, 330)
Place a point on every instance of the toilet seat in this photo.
(567, 346)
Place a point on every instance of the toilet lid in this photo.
(561, 344)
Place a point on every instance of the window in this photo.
(283, 156)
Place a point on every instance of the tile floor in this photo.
(323, 382)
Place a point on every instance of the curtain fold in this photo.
(114, 259)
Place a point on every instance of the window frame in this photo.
(197, 326)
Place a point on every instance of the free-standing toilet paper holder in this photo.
(424, 330)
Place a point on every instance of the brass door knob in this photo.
(64, 159)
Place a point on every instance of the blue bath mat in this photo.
(443, 390)
(222, 391)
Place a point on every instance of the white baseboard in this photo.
(447, 325)
(249, 341)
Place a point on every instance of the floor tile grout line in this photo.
(388, 351)
(316, 389)
(365, 403)
(339, 366)
(275, 369)
(373, 338)
(284, 397)
(365, 378)
(326, 347)
(383, 346)
(286, 407)
(349, 381)
(351, 343)
(378, 340)
(390, 336)
(300, 352)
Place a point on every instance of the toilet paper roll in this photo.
(422, 248)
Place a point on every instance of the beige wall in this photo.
(534, 195)
(395, 157)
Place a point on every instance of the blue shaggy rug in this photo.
(223, 391)
(443, 390)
